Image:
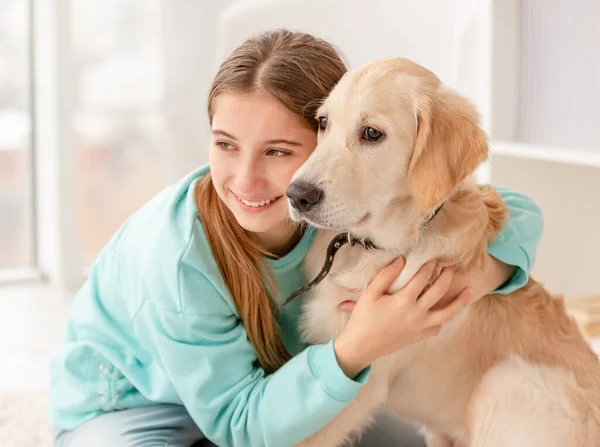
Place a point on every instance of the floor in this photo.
(31, 325)
(32, 318)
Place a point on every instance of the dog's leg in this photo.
(520, 404)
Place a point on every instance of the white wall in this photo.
(568, 192)
(554, 155)
(450, 37)
(453, 38)
(190, 40)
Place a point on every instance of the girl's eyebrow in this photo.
(276, 141)
(279, 141)
(222, 132)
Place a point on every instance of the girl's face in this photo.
(256, 146)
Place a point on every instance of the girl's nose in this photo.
(250, 175)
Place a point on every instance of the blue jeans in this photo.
(170, 425)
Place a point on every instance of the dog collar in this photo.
(336, 243)
(435, 213)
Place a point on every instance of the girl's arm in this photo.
(213, 368)
(512, 255)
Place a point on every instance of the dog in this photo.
(394, 166)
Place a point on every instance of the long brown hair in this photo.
(299, 70)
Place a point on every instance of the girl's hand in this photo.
(381, 324)
(482, 279)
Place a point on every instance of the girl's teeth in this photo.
(256, 204)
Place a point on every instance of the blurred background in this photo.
(103, 104)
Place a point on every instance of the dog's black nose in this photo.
(303, 196)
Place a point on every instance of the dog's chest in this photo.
(422, 376)
(426, 384)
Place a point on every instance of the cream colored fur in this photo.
(509, 371)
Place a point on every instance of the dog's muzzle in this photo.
(303, 196)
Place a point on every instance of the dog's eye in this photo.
(371, 134)
(322, 123)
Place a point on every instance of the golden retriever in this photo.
(508, 371)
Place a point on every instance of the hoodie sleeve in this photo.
(213, 367)
(517, 244)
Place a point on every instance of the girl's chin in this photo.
(259, 222)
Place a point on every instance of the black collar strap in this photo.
(435, 213)
(336, 243)
(333, 247)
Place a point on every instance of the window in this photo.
(560, 76)
(118, 123)
(16, 204)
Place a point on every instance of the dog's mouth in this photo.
(354, 227)
(363, 220)
(326, 221)
(309, 201)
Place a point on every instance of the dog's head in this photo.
(392, 146)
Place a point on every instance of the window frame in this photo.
(32, 271)
(57, 250)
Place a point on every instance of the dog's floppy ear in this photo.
(449, 147)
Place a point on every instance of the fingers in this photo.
(347, 306)
(442, 316)
(384, 279)
(430, 332)
(418, 282)
(437, 291)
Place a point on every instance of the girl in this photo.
(177, 335)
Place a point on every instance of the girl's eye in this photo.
(225, 146)
(276, 153)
